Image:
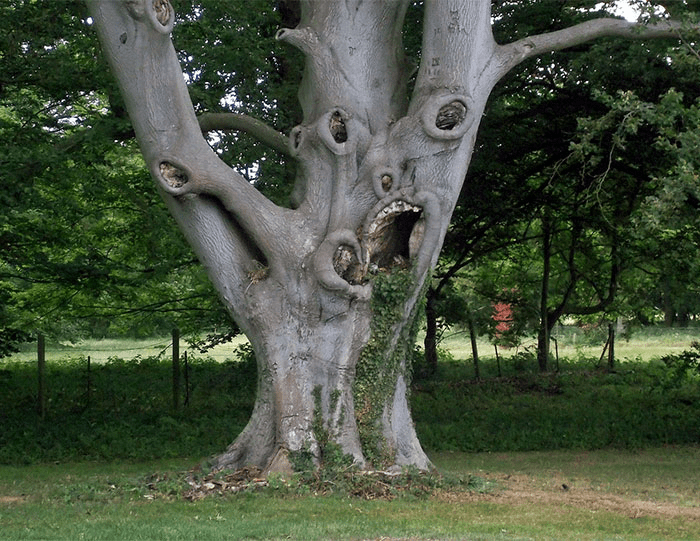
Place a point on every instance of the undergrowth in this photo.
(128, 411)
(581, 406)
(122, 409)
(343, 481)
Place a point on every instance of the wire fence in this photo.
(116, 350)
(102, 350)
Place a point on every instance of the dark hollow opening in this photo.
(390, 245)
(347, 266)
(451, 115)
(337, 126)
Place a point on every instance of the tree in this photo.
(84, 242)
(327, 290)
(589, 189)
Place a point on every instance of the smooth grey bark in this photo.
(379, 176)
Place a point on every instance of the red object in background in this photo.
(503, 315)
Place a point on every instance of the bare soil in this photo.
(523, 489)
(11, 499)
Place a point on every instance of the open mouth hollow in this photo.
(394, 235)
(391, 240)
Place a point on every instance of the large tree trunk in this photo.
(327, 291)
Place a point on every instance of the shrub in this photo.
(683, 365)
(127, 413)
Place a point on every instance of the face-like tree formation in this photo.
(327, 291)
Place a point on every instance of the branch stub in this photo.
(173, 176)
(162, 16)
(447, 116)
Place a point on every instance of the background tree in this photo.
(85, 242)
(588, 196)
(77, 246)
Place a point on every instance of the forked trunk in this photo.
(327, 291)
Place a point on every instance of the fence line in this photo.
(41, 374)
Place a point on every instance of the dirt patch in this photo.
(11, 499)
(522, 489)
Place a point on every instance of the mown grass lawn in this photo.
(625, 465)
(632, 495)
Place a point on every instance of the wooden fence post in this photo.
(41, 368)
(176, 369)
(89, 383)
(187, 380)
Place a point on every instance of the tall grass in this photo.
(126, 411)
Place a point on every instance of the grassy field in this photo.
(602, 495)
(572, 343)
(101, 350)
(625, 465)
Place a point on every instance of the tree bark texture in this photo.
(379, 176)
(543, 332)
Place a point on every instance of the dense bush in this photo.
(128, 413)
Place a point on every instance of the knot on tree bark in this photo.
(159, 13)
(383, 181)
(447, 116)
(340, 131)
(337, 261)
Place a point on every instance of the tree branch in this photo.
(512, 54)
(457, 46)
(135, 36)
(252, 126)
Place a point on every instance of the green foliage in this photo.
(127, 412)
(642, 404)
(248, 72)
(684, 365)
(88, 248)
(388, 353)
(622, 230)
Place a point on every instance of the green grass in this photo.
(109, 501)
(645, 344)
(101, 350)
(662, 474)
